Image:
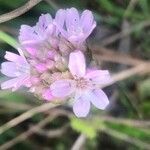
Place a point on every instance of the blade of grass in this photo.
(8, 39)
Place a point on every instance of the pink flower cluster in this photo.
(51, 61)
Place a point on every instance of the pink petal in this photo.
(77, 63)
(41, 67)
(62, 88)
(72, 19)
(99, 76)
(9, 83)
(31, 37)
(61, 29)
(28, 35)
(60, 17)
(77, 39)
(47, 95)
(45, 27)
(35, 80)
(9, 69)
(50, 64)
(44, 21)
(15, 83)
(31, 51)
(54, 42)
(23, 80)
(87, 22)
(27, 82)
(81, 107)
(51, 54)
(98, 98)
(15, 58)
(11, 56)
(21, 53)
(90, 30)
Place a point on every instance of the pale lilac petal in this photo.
(90, 30)
(23, 80)
(15, 58)
(18, 67)
(50, 64)
(9, 69)
(11, 56)
(87, 22)
(28, 35)
(98, 98)
(35, 80)
(59, 22)
(78, 38)
(62, 88)
(27, 82)
(72, 19)
(9, 83)
(47, 95)
(21, 53)
(44, 21)
(81, 107)
(14, 83)
(41, 67)
(77, 64)
(33, 36)
(31, 51)
(51, 54)
(45, 26)
(77, 29)
(99, 76)
(61, 30)
(60, 17)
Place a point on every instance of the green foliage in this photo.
(145, 108)
(84, 127)
(110, 7)
(12, 97)
(7, 136)
(8, 39)
(134, 132)
(144, 88)
(145, 7)
(13, 5)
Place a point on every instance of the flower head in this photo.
(84, 87)
(52, 63)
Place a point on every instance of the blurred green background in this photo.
(125, 124)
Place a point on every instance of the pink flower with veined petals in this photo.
(84, 87)
(17, 68)
(77, 28)
(53, 65)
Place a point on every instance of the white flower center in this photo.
(82, 83)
